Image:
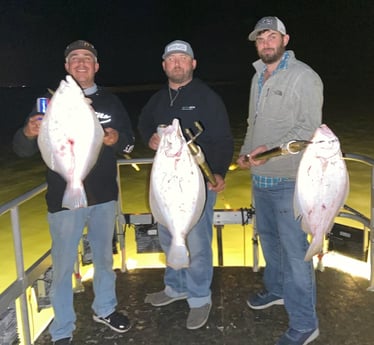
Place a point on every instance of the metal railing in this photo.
(25, 278)
(357, 216)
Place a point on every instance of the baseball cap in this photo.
(80, 44)
(267, 23)
(178, 46)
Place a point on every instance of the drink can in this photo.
(160, 129)
(41, 104)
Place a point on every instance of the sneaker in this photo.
(63, 341)
(263, 300)
(116, 321)
(294, 337)
(159, 299)
(197, 317)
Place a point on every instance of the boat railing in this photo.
(26, 277)
(351, 213)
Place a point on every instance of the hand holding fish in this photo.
(70, 140)
(154, 141)
(31, 130)
(110, 136)
(176, 191)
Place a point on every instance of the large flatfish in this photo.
(322, 186)
(177, 192)
(70, 140)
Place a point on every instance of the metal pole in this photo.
(256, 265)
(121, 223)
(219, 244)
(121, 233)
(17, 240)
(371, 287)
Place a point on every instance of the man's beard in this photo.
(179, 78)
(272, 57)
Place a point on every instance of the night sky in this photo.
(334, 37)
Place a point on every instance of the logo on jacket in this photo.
(103, 118)
(188, 107)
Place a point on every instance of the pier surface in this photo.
(344, 306)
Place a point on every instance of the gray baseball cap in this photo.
(178, 46)
(267, 23)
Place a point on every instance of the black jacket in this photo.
(193, 102)
(101, 183)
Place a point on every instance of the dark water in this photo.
(348, 111)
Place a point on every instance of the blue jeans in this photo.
(195, 280)
(66, 228)
(284, 245)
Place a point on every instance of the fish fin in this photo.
(178, 256)
(305, 226)
(74, 197)
(315, 247)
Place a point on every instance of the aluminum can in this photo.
(41, 104)
(160, 129)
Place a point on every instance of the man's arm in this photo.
(119, 134)
(25, 139)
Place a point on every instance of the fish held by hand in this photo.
(322, 186)
(177, 192)
(70, 140)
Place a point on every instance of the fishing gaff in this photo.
(198, 154)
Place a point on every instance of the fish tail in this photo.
(315, 247)
(178, 256)
(74, 198)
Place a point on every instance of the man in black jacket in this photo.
(66, 226)
(190, 100)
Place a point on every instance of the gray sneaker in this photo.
(159, 299)
(198, 317)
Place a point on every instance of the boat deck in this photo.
(345, 309)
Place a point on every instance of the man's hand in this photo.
(154, 141)
(246, 161)
(31, 130)
(243, 161)
(220, 186)
(257, 150)
(110, 136)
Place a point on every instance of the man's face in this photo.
(271, 46)
(179, 67)
(82, 65)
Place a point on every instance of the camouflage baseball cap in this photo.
(80, 44)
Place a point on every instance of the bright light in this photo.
(233, 167)
(88, 274)
(131, 264)
(135, 166)
(345, 264)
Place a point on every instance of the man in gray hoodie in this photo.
(286, 100)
